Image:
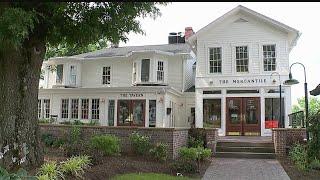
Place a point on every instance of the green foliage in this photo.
(314, 105)
(298, 154)
(108, 144)
(315, 164)
(193, 142)
(141, 144)
(75, 166)
(147, 176)
(51, 170)
(48, 139)
(93, 122)
(74, 145)
(159, 152)
(75, 134)
(314, 131)
(21, 174)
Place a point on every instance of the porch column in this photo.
(199, 108)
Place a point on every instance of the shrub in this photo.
(141, 144)
(108, 144)
(193, 142)
(74, 145)
(50, 170)
(159, 152)
(48, 139)
(298, 155)
(314, 141)
(20, 174)
(315, 164)
(58, 143)
(77, 122)
(75, 166)
(93, 123)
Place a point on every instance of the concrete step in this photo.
(245, 149)
(245, 144)
(247, 155)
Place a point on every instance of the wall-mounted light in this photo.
(169, 111)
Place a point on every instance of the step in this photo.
(247, 155)
(245, 144)
(245, 149)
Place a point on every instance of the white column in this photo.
(199, 108)
(287, 105)
(264, 131)
(223, 113)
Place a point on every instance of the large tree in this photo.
(26, 29)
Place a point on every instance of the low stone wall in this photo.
(283, 138)
(175, 138)
(211, 138)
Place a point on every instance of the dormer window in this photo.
(59, 76)
(145, 70)
(106, 75)
(73, 75)
(160, 72)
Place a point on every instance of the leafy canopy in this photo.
(314, 105)
(73, 25)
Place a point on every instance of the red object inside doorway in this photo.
(271, 124)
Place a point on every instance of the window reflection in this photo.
(212, 113)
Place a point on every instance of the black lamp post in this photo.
(280, 94)
(294, 81)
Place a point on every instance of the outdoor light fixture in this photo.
(280, 91)
(292, 81)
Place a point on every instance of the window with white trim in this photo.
(242, 59)
(134, 72)
(160, 72)
(39, 108)
(74, 108)
(215, 60)
(59, 76)
(73, 75)
(106, 75)
(145, 70)
(84, 108)
(269, 57)
(65, 108)
(46, 104)
(95, 109)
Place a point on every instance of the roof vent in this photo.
(240, 20)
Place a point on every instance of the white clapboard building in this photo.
(226, 76)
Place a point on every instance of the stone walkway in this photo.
(245, 169)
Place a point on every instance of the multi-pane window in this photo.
(111, 113)
(95, 109)
(46, 103)
(242, 59)
(215, 60)
(64, 108)
(39, 108)
(134, 72)
(59, 76)
(269, 57)
(84, 108)
(73, 75)
(106, 75)
(160, 72)
(145, 68)
(74, 108)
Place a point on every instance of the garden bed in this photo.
(295, 174)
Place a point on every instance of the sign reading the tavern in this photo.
(243, 81)
(131, 95)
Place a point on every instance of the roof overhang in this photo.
(293, 34)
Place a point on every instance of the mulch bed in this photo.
(295, 174)
(108, 167)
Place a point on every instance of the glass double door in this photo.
(131, 112)
(243, 116)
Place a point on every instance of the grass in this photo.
(147, 176)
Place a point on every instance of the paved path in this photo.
(245, 169)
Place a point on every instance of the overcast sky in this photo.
(301, 16)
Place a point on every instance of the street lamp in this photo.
(292, 81)
(280, 92)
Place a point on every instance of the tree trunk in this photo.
(19, 81)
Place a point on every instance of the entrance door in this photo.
(243, 116)
(131, 112)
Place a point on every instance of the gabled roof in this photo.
(125, 51)
(293, 33)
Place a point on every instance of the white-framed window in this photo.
(269, 57)
(84, 108)
(73, 75)
(74, 108)
(160, 72)
(145, 70)
(65, 108)
(39, 108)
(46, 103)
(106, 75)
(95, 109)
(134, 72)
(215, 60)
(59, 76)
(242, 59)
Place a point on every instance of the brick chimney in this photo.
(188, 31)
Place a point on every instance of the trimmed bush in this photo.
(298, 154)
(193, 142)
(108, 144)
(75, 166)
(140, 144)
(159, 152)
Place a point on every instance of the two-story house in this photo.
(240, 58)
(122, 86)
(224, 76)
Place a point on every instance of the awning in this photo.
(316, 91)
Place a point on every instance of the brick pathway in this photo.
(245, 169)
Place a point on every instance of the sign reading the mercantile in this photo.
(243, 81)
(131, 95)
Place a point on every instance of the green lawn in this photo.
(148, 176)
